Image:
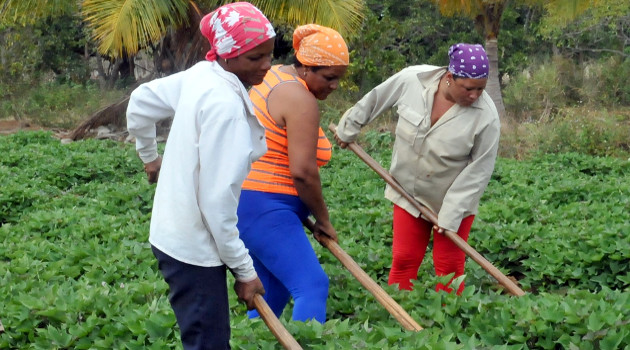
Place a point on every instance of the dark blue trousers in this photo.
(199, 298)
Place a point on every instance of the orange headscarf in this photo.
(316, 45)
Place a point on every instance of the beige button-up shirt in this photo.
(447, 166)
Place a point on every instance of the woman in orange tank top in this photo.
(284, 186)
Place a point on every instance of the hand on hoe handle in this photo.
(324, 229)
(153, 169)
(438, 229)
(246, 291)
(341, 144)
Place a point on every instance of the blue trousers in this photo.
(270, 225)
(199, 298)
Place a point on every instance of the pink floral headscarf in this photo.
(234, 29)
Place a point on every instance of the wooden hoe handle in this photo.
(379, 293)
(274, 325)
(511, 287)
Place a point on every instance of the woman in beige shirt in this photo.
(446, 144)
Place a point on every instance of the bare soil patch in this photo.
(11, 126)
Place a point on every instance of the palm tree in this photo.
(169, 28)
(127, 26)
(25, 12)
(122, 28)
(487, 16)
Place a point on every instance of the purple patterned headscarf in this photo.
(468, 60)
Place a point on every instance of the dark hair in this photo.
(298, 64)
(455, 76)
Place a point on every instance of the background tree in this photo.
(168, 30)
(547, 60)
(396, 34)
(125, 27)
(599, 30)
(27, 47)
(487, 15)
(122, 28)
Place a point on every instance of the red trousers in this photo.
(411, 238)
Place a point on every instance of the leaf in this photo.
(594, 322)
(31, 302)
(158, 326)
(613, 339)
(55, 314)
(124, 27)
(59, 337)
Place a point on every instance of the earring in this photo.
(448, 83)
(225, 60)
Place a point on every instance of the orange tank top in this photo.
(271, 172)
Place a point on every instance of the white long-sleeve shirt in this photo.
(445, 166)
(214, 138)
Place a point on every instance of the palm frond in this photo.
(343, 15)
(464, 7)
(568, 10)
(24, 12)
(126, 26)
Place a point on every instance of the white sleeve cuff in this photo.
(246, 278)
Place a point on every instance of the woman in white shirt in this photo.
(446, 144)
(214, 138)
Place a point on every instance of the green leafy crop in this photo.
(77, 272)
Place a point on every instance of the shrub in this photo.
(539, 92)
(603, 84)
(582, 130)
(55, 104)
(536, 91)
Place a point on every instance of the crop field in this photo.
(77, 272)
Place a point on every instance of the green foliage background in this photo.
(76, 270)
(545, 63)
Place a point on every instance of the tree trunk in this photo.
(494, 87)
(185, 46)
(488, 21)
(112, 114)
(124, 68)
